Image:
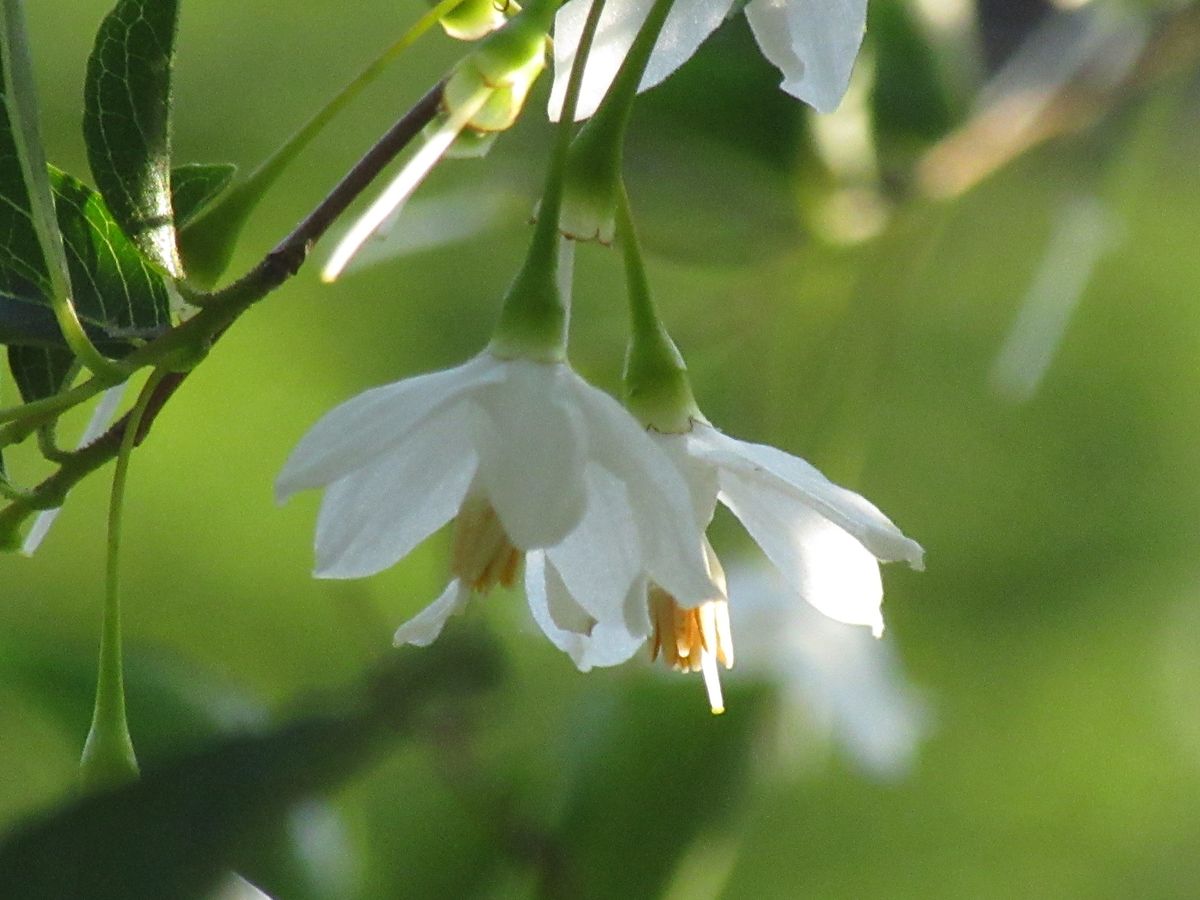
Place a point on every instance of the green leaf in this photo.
(113, 284)
(127, 119)
(118, 295)
(195, 186)
(179, 706)
(652, 771)
(40, 371)
(190, 819)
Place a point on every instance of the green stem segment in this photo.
(20, 100)
(108, 757)
(533, 320)
(657, 389)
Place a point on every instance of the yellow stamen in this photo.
(483, 555)
(694, 640)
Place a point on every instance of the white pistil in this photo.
(403, 185)
(695, 640)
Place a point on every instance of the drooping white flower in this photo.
(836, 685)
(812, 42)
(518, 453)
(825, 540)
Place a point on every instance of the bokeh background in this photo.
(973, 294)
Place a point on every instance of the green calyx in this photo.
(592, 182)
(657, 389)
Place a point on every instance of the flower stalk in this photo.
(533, 319)
(108, 755)
(657, 389)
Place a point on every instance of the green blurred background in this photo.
(840, 292)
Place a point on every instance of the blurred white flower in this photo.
(518, 453)
(836, 683)
(812, 42)
(825, 541)
(1084, 230)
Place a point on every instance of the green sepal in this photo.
(657, 390)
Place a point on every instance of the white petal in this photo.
(531, 457)
(687, 25)
(373, 517)
(785, 472)
(813, 42)
(589, 644)
(423, 628)
(670, 537)
(826, 566)
(599, 559)
(360, 430)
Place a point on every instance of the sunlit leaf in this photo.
(118, 295)
(126, 124)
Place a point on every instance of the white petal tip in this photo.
(915, 557)
(417, 634)
(877, 629)
(336, 571)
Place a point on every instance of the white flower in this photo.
(813, 42)
(518, 453)
(825, 541)
(835, 682)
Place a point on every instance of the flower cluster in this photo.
(605, 506)
(531, 461)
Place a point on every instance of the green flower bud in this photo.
(475, 19)
(507, 64)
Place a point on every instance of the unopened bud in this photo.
(475, 19)
(505, 65)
